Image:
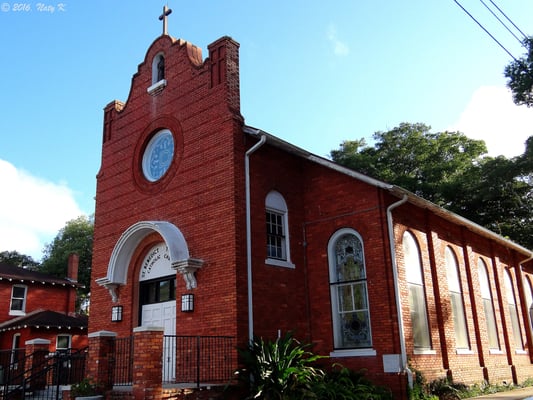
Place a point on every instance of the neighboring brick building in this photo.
(270, 238)
(40, 306)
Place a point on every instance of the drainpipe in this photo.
(249, 235)
(403, 352)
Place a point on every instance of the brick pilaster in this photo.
(147, 363)
(36, 352)
(101, 351)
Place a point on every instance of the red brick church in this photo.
(208, 227)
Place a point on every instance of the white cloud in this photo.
(32, 210)
(492, 116)
(339, 48)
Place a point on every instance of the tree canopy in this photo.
(520, 76)
(453, 172)
(18, 259)
(75, 237)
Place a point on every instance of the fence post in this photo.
(198, 362)
(101, 351)
(147, 362)
(36, 352)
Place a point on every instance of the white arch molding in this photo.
(117, 270)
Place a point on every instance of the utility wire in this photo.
(486, 31)
(501, 22)
(508, 19)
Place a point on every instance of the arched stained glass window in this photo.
(349, 295)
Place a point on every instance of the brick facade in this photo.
(204, 195)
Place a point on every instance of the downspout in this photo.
(403, 353)
(249, 235)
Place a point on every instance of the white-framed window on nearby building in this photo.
(277, 231)
(16, 352)
(349, 292)
(63, 342)
(18, 300)
(488, 307)
(456, 299)
(513, 312)
(417, 292)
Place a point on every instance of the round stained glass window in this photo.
(158, 155)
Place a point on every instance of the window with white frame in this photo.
(513, 312)
(456, 298)
(63, 342)
(17, 353)
(277, 230)
(18, 300)
(488, 307)
(417, 292)
(349, 293)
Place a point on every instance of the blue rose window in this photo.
(158, 155)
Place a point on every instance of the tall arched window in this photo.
(349, 296)
(488, 307)
(529, 299)
(278, 251)
(513, 312)
(417, 295)
(456, 298)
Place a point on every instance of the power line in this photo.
(508, 19)
(501, 22)
(486, 31)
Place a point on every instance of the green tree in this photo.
(16, 258)
(451, 170)
(520, 76)
(75, 237)
(412, 157)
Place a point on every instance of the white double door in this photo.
(164, 314)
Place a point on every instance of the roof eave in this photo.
(395, 190)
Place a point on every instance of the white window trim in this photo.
(279, 263)
(23, 311)
(464, 351)
(424, 351)
(157, 86)
(276, 203)
(369, 352)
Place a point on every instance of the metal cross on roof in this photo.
(163, 17)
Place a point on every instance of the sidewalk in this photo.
(517, 394)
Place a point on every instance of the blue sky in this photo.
(314, 73)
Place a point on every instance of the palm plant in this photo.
(279, 370)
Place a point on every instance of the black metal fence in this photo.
(41, 380)
(122, 367)
(198, 359)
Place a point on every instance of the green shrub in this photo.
(278, 370)
(286, 370)
(344, 384)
